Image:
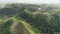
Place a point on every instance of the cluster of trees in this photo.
(5, 27)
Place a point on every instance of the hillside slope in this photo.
(30, 19)
(16, 26)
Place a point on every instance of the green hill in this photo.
(30, 19)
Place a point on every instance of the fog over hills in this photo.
(31, 1)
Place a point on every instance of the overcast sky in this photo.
(30, 1)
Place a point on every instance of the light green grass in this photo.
(26, 25)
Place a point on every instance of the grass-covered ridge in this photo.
(15, 26)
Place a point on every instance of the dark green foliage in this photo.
(8, 11)
(33, 9)
(23, 15)
(5, 28)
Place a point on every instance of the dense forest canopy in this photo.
(43, 18)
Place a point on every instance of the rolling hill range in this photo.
(30, 19)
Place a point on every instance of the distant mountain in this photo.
(34, 7)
